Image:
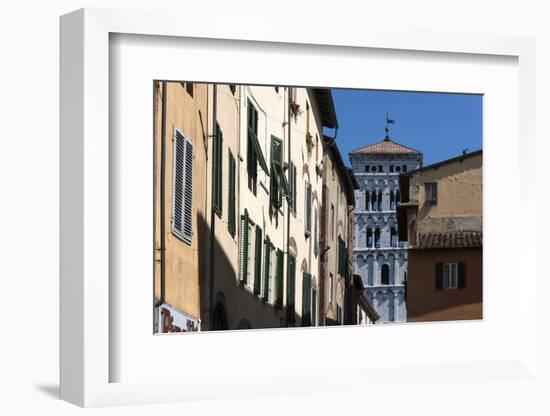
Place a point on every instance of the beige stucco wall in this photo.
(188, 114)
(459, 200)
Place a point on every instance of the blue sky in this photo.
(438, 125)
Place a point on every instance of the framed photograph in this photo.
(283, 213)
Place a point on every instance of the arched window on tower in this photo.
(385, 278)
(377, 237)
(369, 237)
(367, 200)
(373, 201)
(397, 197)
(392, 201)
(379, 200)
(393, 237)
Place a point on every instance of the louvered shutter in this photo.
(258, 260)
(306, 299)
(183, 188)
(217, 188)
(231, 195)
(244, 247)
(291, 288)
(461, 275)
(439, 276)
(279, 283)
(313, 307)
(267, 264)
(307, 213)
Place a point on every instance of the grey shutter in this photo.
(244, 247)
(461, 275)
(182, 224)
(439, 276)
(258, 260)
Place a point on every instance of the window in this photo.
(291, 288)
(254, 153)
(182, 188)
(231, 195)
(250, 250)
(430, 189)
(269, 271)
(397, 197)
(392, 201)
(377, 237)
(404, 168)
(393, 237)
(217, 158)
(450, 276)
(278, 184)
(306, 299)
(332, 221)
(379, 200)
(342, 258)
(367, 168)
(307, 213)
(330, 288)
(279, 278)
(367, 200)
(292, 186)
(385, 274)
(369, 237)
(339, 314)
(315, 234)
(380, 168)
(244, 248)
(258, 260)
(391, 168)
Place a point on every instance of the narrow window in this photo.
(392, 201)
(367, 168)
(292, 186)
(397, 197)
(279, 279)
(265, 285)
(279, 186)
(251, 159)
(377, 237)
(217, 158)
(231, 195)
(306, 299)
(369, 237)
(379, 200)
(258, 260)
(380, 168)
(391, 168)
(243, 248)
(307, 213)
(291, 288)
(332, 221)
(430, 189)
(182, 224)
(404, 168)
(315, 234)
(367, 200)
(393, 237)
(385, 278)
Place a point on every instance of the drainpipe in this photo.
(162, 199)
(212, 214)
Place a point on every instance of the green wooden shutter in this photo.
(461, 275)
(313, 307)
(244, 247)
(258, 260)
(279, 283)
(291, 288)
(231, 195)
(267, 265)
(439, 276)
(306, 299)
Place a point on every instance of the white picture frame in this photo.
(86, 353)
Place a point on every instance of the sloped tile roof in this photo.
(385, 146)
(459, 239)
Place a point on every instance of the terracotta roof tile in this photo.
(386, 146)
(459, 239)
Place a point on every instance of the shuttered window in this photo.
(315, 235)
(182, 187)
(258, 260)
(243, 249)
(279, 186)
(217, 158)
(291, 289)
(254, 153)
(279, 278)
(313, 307)
(292, 186)
(306, 299)
(307, 213)
(231, 195)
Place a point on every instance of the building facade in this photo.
(180, 141)
(378, 256)
(441, 218)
